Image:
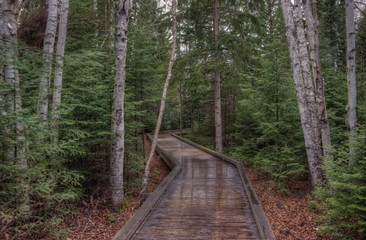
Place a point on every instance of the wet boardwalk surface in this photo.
(205, 201)
(205, 196)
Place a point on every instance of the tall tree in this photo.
(217, 78)
(112, 18)
(2, 77)
(303, 84)
(162, 103)
(310, 10)
(118, 127)
(95, 10)
(351, 79)
(60, 52)
(11, 77)
(48, 49)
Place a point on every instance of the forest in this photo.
(279, 85)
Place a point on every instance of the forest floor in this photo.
(100, 222)
(289, 214)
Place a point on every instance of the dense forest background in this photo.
(260, 117)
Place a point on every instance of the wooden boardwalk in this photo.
(204, 197)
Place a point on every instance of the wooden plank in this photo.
(261, 219)
(138, 218)
(207, 199)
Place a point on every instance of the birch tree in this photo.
(48, 49)
(217, 78)
(118, 127)
(162, 103)
(304, 95)
(310, 11)
(112, 18)
(95, 10)
(2, 63)
(351, 79)
(60, 52)
(8, 96)
(11, 77)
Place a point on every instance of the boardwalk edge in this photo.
(264, 227)
(139, 217)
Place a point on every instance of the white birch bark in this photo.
(181, 108)
(60, 52)
(312, 151)
(18, 9)
(351, 79)
(162, 103)
(118, 128)
(112, 29)
(217, 79)
(313, 39)
(304, 61)
(309, 84)
(95, 10)
(2, 60)
(2, 14)
(8, 98)
(48, 49)
(11, 77)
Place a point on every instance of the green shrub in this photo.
(343, 199)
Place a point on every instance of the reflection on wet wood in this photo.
(206, 200)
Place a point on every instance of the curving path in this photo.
(204, 197)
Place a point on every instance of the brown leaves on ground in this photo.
(99, 223)
(289, 214)
(102, 223)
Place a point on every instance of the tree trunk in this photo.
(312, 149)
(11, 77)
(217, 79)
(181, 108)
(305, 67)
(112, 17)
(313, 39)
(2, 48)
(95, 10)
(18, 9)
(118, 127)
(61, 42)
(3, 101)
(8, 97)
(351, 79)
(48, 48)
(162, 103)
(309, 89)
